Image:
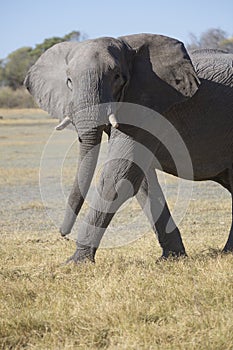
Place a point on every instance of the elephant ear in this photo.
(47, 79)
(162, 71)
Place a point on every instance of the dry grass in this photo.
(20, 113)
(127, 300)
(18, 117)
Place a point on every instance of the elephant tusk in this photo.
(64, 123)
(113, 121)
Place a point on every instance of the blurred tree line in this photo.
(13, 69)
(214, 38)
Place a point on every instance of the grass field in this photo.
(127, 300)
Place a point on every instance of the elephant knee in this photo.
(120, 182)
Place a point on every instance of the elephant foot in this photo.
(83, 254)
(168, 254)
(229, 245)
(227, 249)
(173, 246)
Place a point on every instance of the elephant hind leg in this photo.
(229, 244)
(224, 179)
(154, 205)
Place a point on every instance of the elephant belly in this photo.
(205, 123)
(207, 161)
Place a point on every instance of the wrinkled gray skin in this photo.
(195, 95)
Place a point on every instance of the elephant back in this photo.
(214, 65)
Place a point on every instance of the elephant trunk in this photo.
(90, 138)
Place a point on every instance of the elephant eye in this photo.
(178, 81)
(117, 76)
(69, 83)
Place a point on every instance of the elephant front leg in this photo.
(114, 189)
(120, 180)
(154, 205)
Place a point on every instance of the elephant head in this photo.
(77, 82)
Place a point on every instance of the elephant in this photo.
(80, 83)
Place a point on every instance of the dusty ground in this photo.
(127, 300)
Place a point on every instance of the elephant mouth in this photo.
(108, 111)
(67, 121)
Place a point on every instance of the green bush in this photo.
(19, 98)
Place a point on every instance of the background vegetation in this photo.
(214, 38)
(13, 69)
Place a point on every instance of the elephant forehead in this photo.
(92, 61)
(98, 51)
